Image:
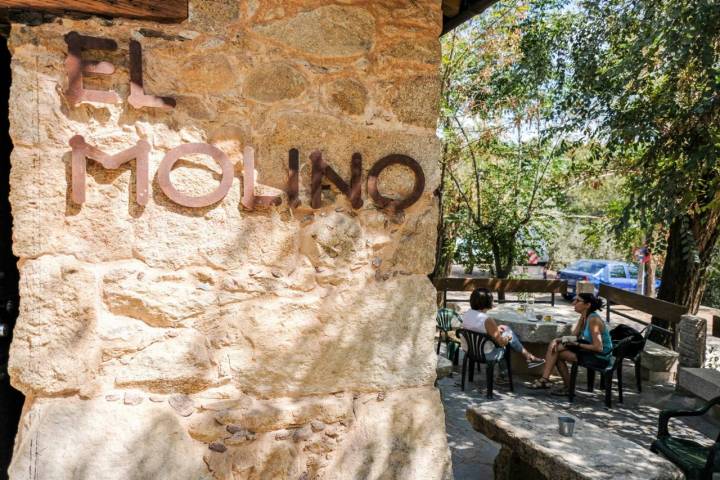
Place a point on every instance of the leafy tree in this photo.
(502, 181)
(640, 80)
(648, 72)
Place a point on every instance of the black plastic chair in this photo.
(444, 319)
(698, 462)
(633, 347)
(478, 343)
(606, 375)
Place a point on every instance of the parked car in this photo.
(608, 272)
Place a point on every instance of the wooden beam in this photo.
(501, 285)
(157, 10)
(474, 7)
(657, 308)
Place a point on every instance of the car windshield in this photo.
(587, 266)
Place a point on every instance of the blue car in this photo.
(610, 272)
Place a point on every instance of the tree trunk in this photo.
(650, 278)
(685, 277)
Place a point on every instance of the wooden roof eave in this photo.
(466, 10)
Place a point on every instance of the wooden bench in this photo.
(532, 447)
(502, 285)
(658, 363)
(661, 309)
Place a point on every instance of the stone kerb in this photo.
(274, 343)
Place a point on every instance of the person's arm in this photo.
(596, 327)
(493, 331)
(576, 328)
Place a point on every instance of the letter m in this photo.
(81, 151)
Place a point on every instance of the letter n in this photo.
(81, 151)
(321, 169)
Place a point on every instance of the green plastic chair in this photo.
(444, 318)
(698, 462)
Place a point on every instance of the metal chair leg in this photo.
(489, 374)
(590, 380)
(608, 389)
(509, 370)
(462, 374)
(573, 379)
(619, 379)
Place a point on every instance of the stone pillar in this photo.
(161, 341)
(691, 341)
(584, 287)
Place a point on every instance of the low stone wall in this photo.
(157, 340)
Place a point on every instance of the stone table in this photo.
(535, 335)
(532, 447)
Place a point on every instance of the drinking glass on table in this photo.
(530, 308)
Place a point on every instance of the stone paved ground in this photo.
(636, 419)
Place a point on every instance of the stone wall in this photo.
(165, 342)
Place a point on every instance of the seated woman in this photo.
(594, 346)
(477, 320)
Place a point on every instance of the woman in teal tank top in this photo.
(593, 348)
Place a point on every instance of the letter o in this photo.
(381, 165)
(174, 155)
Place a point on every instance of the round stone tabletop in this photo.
(563, 320)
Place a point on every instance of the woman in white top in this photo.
(477, 320)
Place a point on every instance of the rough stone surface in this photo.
(691, 341)
(165, 324)
(656, 358)
(58, 316)
(712, 356)
(347, 95)
(531, 430)
(51, 440)
(702, 382)
(182, 404)
(327, 31)
(274, 82)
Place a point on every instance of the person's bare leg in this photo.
(529, 357)
(550, 360)
(565, 356)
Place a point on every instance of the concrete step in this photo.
(701, 382)
(444, 367)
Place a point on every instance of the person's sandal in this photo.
(540, 384)
(536, 363)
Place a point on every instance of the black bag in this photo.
(627, 342)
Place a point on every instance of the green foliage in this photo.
(642, 78)
(711, 297)
(503, 180)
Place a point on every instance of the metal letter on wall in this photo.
(321, 169)
(174, 155)
(82, 151)
(293, 188)
(249, 199)
(138, 98)
(382, 164)
(76, 67)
